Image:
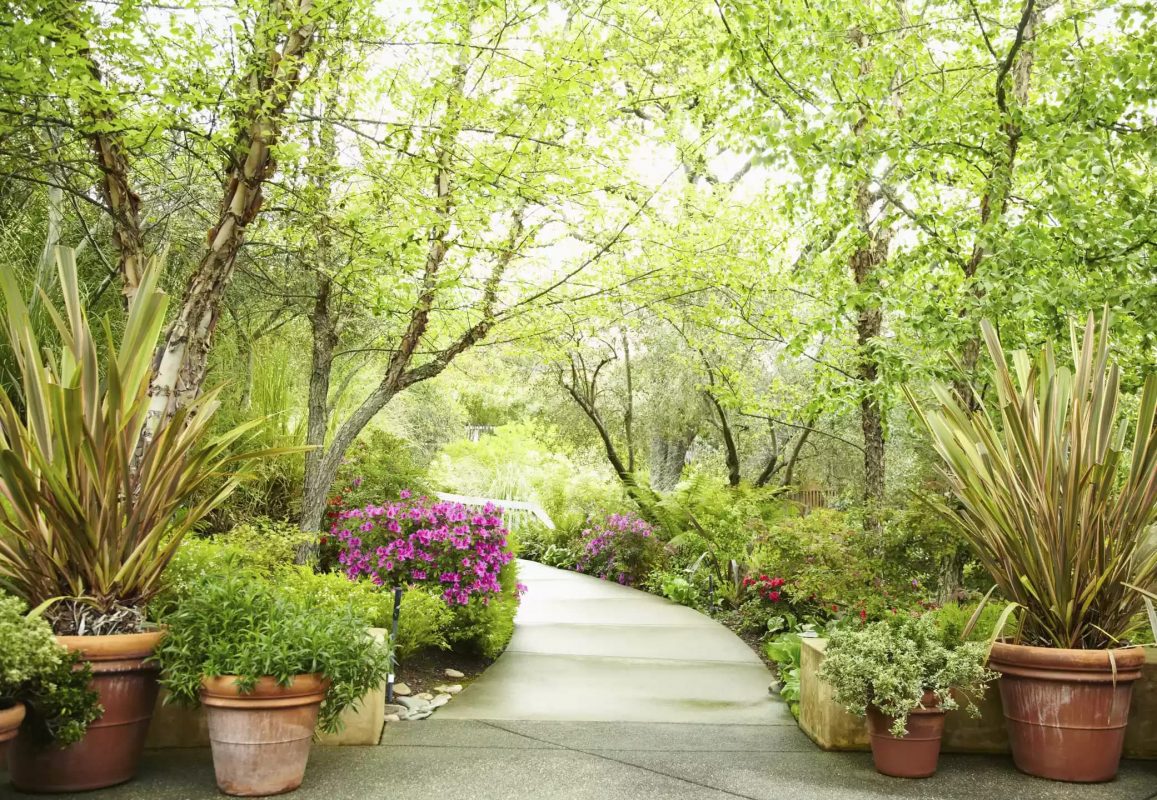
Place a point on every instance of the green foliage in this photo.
(484, 628)
(423, 624)
(378, 465)
(678, 589)
(51, 681)
(892, 664)
(712, 525)
(236, 624)
(953, 619)
(30, 647)
(785, 650)
(264, 544)
(1056, 501)
(832, 567)
(61, 702)
(85, 514)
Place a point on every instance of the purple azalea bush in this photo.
(415, 541)
(621, 548)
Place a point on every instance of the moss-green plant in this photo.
(238, 624)
(892, 664)
(36, 671)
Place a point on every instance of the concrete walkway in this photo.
(610, 694)
(585, 650)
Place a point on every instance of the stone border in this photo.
(829, 726)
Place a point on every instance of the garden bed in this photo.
(832, 728)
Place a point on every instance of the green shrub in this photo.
(334, 592)
(376, 466)
(50, 681)
(484, 628)
(423, 622)
(893, 663)
(786, 650)
(831, 567)
(265, 544)
(676, 588)
(237, 624)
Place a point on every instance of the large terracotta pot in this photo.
(10, 719)
(111, 750)
(1066, 710)
(261, 740)
(916, 753)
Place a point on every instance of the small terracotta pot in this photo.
(261, 739)
(110, 751)
(916, 753)
(1066, 710)
(10, 719)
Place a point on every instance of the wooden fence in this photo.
(809, 499)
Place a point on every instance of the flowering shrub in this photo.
(770, 589)
(621, 548)
(414, 541)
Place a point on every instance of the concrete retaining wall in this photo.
(832, 728)
(178, 726)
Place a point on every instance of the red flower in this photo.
(835, 607)
(773, 597)
(864, 614)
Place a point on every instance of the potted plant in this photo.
(39, 686)
(900, 673)
(96, 492)
(1057, 501)
(269, 666)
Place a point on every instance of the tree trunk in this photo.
(273, 80)
(316, 488)
(668, 458)
(998, 188)
(869, 320)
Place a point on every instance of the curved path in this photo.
(606, 693)
(585, 650)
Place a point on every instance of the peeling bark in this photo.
(272, 81)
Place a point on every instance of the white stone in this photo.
(424, 696)
(454, 689)
(453, 673)
(440, 701)
(401, 689)
(392, 718)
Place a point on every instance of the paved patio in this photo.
(611, 694)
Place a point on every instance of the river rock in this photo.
(453, 673)
(454, 689)
(440, 701)
(402, 689)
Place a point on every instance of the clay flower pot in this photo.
(261, 740)
(915, 754)
(111, 750)
(1066, 710)
(10, 719)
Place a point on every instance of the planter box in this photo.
(178, 726)
(832, 728)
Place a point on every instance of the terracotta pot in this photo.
(915, 754)
(10, 719)
(1066, 710)
(261, 740)
(111, 750)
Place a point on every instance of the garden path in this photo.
(611, 694)
(585, 650)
